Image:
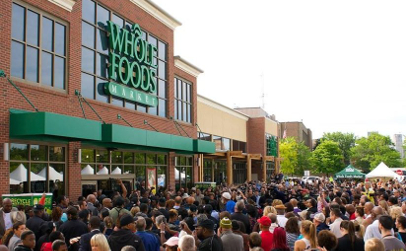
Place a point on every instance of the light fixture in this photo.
(80, 156)
(6, 151)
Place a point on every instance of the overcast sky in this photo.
(336, 65)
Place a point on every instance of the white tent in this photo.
(87, 170)
(53, 174)
(104, 170)
(117, 170)
(382, 171)
(14, 182)
(20, 175)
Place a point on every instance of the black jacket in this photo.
(344, 244)
(123, 237)
(22, 248)
(72, 229)
(34, 224)
(244, 219)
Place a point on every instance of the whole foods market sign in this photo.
(131, 65)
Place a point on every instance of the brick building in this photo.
(109, 99)
(246, 142)
(299, 131)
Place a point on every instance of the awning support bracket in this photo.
(91, 107)
(3, 75)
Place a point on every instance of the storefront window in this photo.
(271, 145)
(220, 172)
(203, 136)
(183, 172)
(183, 100)
(239, 173)
(239, 146)
(41, 61)
(222, 143)
(95, 58)
(207, 170)
(37, 168)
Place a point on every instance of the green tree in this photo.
(296, 156)
(327, 157)
(374, 149)
(345, 141)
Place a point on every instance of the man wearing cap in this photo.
(125, 235)
(34, 223)
(231, 241)
(230, 204)
(318, 220)
(280, 210)
(266, 235)
(204, 231)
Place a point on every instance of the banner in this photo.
(29, 199)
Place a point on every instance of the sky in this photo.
(335, 65)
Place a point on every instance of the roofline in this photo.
(154, 10)
(224, 106)
(187, 67)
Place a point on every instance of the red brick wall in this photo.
(256, 136)
(66, 102)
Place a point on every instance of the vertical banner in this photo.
(151, 179)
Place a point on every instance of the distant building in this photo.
(398, 141)
(297, 130)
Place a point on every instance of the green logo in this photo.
(131, 63)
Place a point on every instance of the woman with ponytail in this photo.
(309, 240)
(349, 241)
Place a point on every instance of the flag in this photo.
(284, 134)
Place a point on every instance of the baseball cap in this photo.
(264, 221)
(38, 207)
(126, 219)
(209, 224)
(320, 217)
(171, 242)
(227, 195)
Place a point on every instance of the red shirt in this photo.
(352, 216)
(267, 238)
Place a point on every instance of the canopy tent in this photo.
(382, 171)
(87, 170)
(20, 175)
(14, 182)
(104, 170)
(349, 173)
(116, 170)
(53, 174)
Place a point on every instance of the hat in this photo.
(200, 218)
(209, 224)
(126, 219)
(265, 221)
(276, 202)
(280, 207)
(38, 207)
(185, 195)
(64, 217)
(320, 217)
(194, 188)
(193, 208)
(171, 242)
(226, 223)
(227, 195)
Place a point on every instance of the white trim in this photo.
(187, 67)
(158, 13)
(221, 107)
(64, 4)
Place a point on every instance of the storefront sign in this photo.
(205, 185)
(29, 199)
(132, 64)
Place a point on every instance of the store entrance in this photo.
(108, 186)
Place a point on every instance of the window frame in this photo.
(183, 100)
(41, 49)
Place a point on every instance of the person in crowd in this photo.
(94, 225)
(374, 244)
(230, 240)
(359, 215)
(292, 232)
(274, 222)
(56, 216)
(335, 220)
(46, 229)
(389, 241)
(226, 200)
(237, 225)
(28, 241)
(238, 215)
(349, 241)
(327, 241)
(255, 241)
(151, 242)
(309, 240)
(98, 242)
(401, 226)
(186, 243)
(34, 223)
(266, 235)
(18, 229)
(205, 231)
(91, 200)
(125, 235)
(62, 202)
(59, 245)
(280, 210)
(118, 210)
(318, 220)
(172, 243)
(73, 228)
(279, 240)
(5, 216)
(359, 229)
(56, 235)
(372, 231)
(369, 217)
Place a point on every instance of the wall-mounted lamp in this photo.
(6, 152)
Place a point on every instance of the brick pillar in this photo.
(74, 177)
(171, 169)
(4, 171)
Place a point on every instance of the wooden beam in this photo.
(249, 177)
(229, 169)
(235, 153)
(269, 158)
(255, 156)
(220, 154)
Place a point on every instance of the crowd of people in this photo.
(280, 215)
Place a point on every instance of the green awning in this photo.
(57, 127)
(349, 173)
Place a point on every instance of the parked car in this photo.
(310, 179)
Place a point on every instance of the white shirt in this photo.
(372, 231)
(7, 220)
(282, 220)
(335, 228)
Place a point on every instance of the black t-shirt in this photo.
(403, 235)
(212, 243)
